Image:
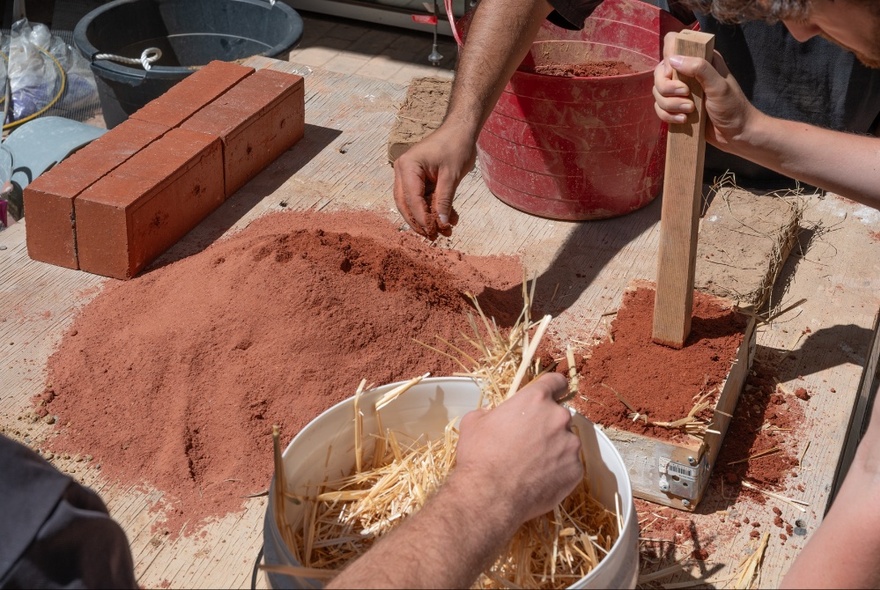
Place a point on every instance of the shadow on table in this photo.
(656, 556)
(580, 260)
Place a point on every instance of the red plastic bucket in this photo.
(578, 148)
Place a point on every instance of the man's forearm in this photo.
(843, 163)
(500, 35)
(845, 550)
(457, 534)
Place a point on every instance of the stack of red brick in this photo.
(118, 203)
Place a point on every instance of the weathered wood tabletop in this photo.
(833, 277)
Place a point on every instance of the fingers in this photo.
(672, 109)
(453, 221)
(444, 192)
(669, 44)
(426, 207)
(409, 196)
(427, 175)
(697, 67)
(672, 98)
(524, 448)
(672, 101)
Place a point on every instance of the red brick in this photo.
(257, 120)
(131, 216)
(192, 93)
(49, 199)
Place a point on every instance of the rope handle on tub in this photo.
(148, 56)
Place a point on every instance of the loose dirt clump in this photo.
(174, 379)
(759, 444)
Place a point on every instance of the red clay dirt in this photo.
(765, 419)
(655, 380)
(174, 379)
(595, 69)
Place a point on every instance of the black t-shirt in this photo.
(816, 82)
(55, 533)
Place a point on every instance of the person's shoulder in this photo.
(30, 488)
(55, 531)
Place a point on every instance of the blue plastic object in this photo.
(35, 147)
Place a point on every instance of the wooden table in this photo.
(341, 163)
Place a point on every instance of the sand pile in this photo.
(174, 379)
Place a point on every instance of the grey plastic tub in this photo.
(190, 34)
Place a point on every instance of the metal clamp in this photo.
(683, 480)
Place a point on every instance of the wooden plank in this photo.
(682, 186)
(582, 268)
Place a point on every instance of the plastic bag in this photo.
(4, 104)
(82, 89)
(44, 73)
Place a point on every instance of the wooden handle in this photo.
(680, 214)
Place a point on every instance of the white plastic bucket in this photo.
(426, 409)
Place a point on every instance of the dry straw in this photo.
(691, 424)
(750, 567)
(343, 518)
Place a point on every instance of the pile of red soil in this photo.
(660, 382)
(174, 379)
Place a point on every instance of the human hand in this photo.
(523, 451)
(426, 176)
(729, 113)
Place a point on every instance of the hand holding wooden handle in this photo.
(682, 193)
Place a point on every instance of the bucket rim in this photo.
(122, 72)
